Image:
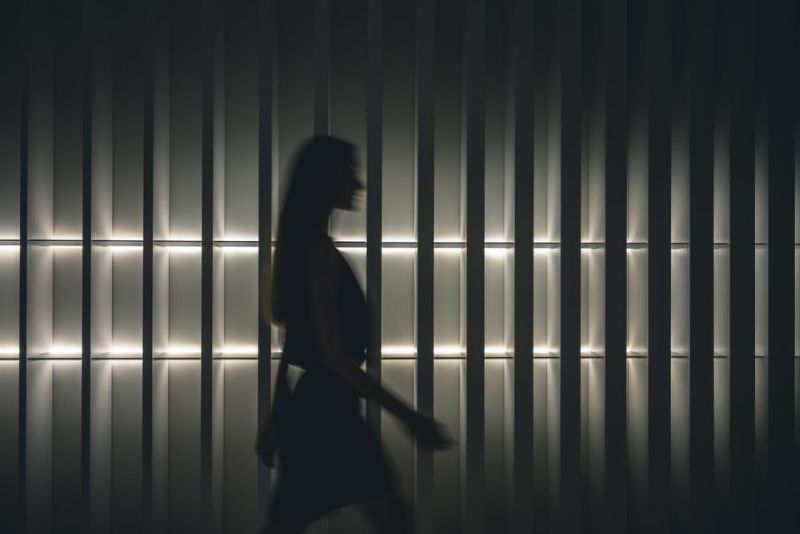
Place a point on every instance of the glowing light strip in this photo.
(9, 351)
(9, 248)
(240, 350)
(182, 349)
(183, 249)
(64, 350)
(239, 249)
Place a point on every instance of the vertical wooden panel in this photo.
(374, 195)
(616, 175)
(148, 170)
(659, 97)
(475, 122)
(425, 209)
(700, 33)
(209, 21)
(781, 95)
(523, 116)
(87, 28)
(266, 81)
(22, 336)
(740, 78)
(569, 24)
(322, 78)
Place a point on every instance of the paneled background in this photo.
(578, 243)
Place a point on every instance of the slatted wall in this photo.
(579, 246)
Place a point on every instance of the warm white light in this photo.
(450, 251)
(399, 250)
(66, 247)
(65, 350)
(240, 350)
(183, 249)
(399, 350)
(228, 237)
(496, 350)
(353, 250)
(496, 252)
(240, 250)
(9, 249)
(120, 349)
(539, 251)
(543, 350)
(182, 349)
(125, 248)
(9, 351)
(448, 350)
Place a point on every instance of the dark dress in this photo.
(328, 457)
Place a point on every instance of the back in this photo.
(300, 346)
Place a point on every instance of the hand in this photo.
(267, 445)
(430, 434)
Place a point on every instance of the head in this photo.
(324, 176)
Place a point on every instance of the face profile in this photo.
(346, 185)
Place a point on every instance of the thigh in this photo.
(390, 514)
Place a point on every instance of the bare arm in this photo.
(327, 328)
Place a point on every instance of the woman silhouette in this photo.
(328, 457)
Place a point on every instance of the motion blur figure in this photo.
(327, 455)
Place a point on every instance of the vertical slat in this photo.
(86, 270)
(701, 266)
(148, 147)
(266, 66)
(740, 80)
(659, 74)
(425, 209)
(781, 94)
(523, 123)
(207, 260)
(322, 78)
(616, 175)
(22, 355)
(474, 119)
(374, 197)
(570, 159)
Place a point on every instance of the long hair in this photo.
(314, 164)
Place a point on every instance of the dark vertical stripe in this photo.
(701, 265)
(523, 124)
(210, 14)
(425, 210)
(782, 509)
(374, 182)
(616, 175)
(266, 66)
(149, 51)
(570, 113)
(740, 81)
(322, 77)
(659, 106)
(86, 271)
(474, 118)
(22, 403)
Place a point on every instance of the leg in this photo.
(390, 514)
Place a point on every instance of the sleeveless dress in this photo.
(328, 457)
